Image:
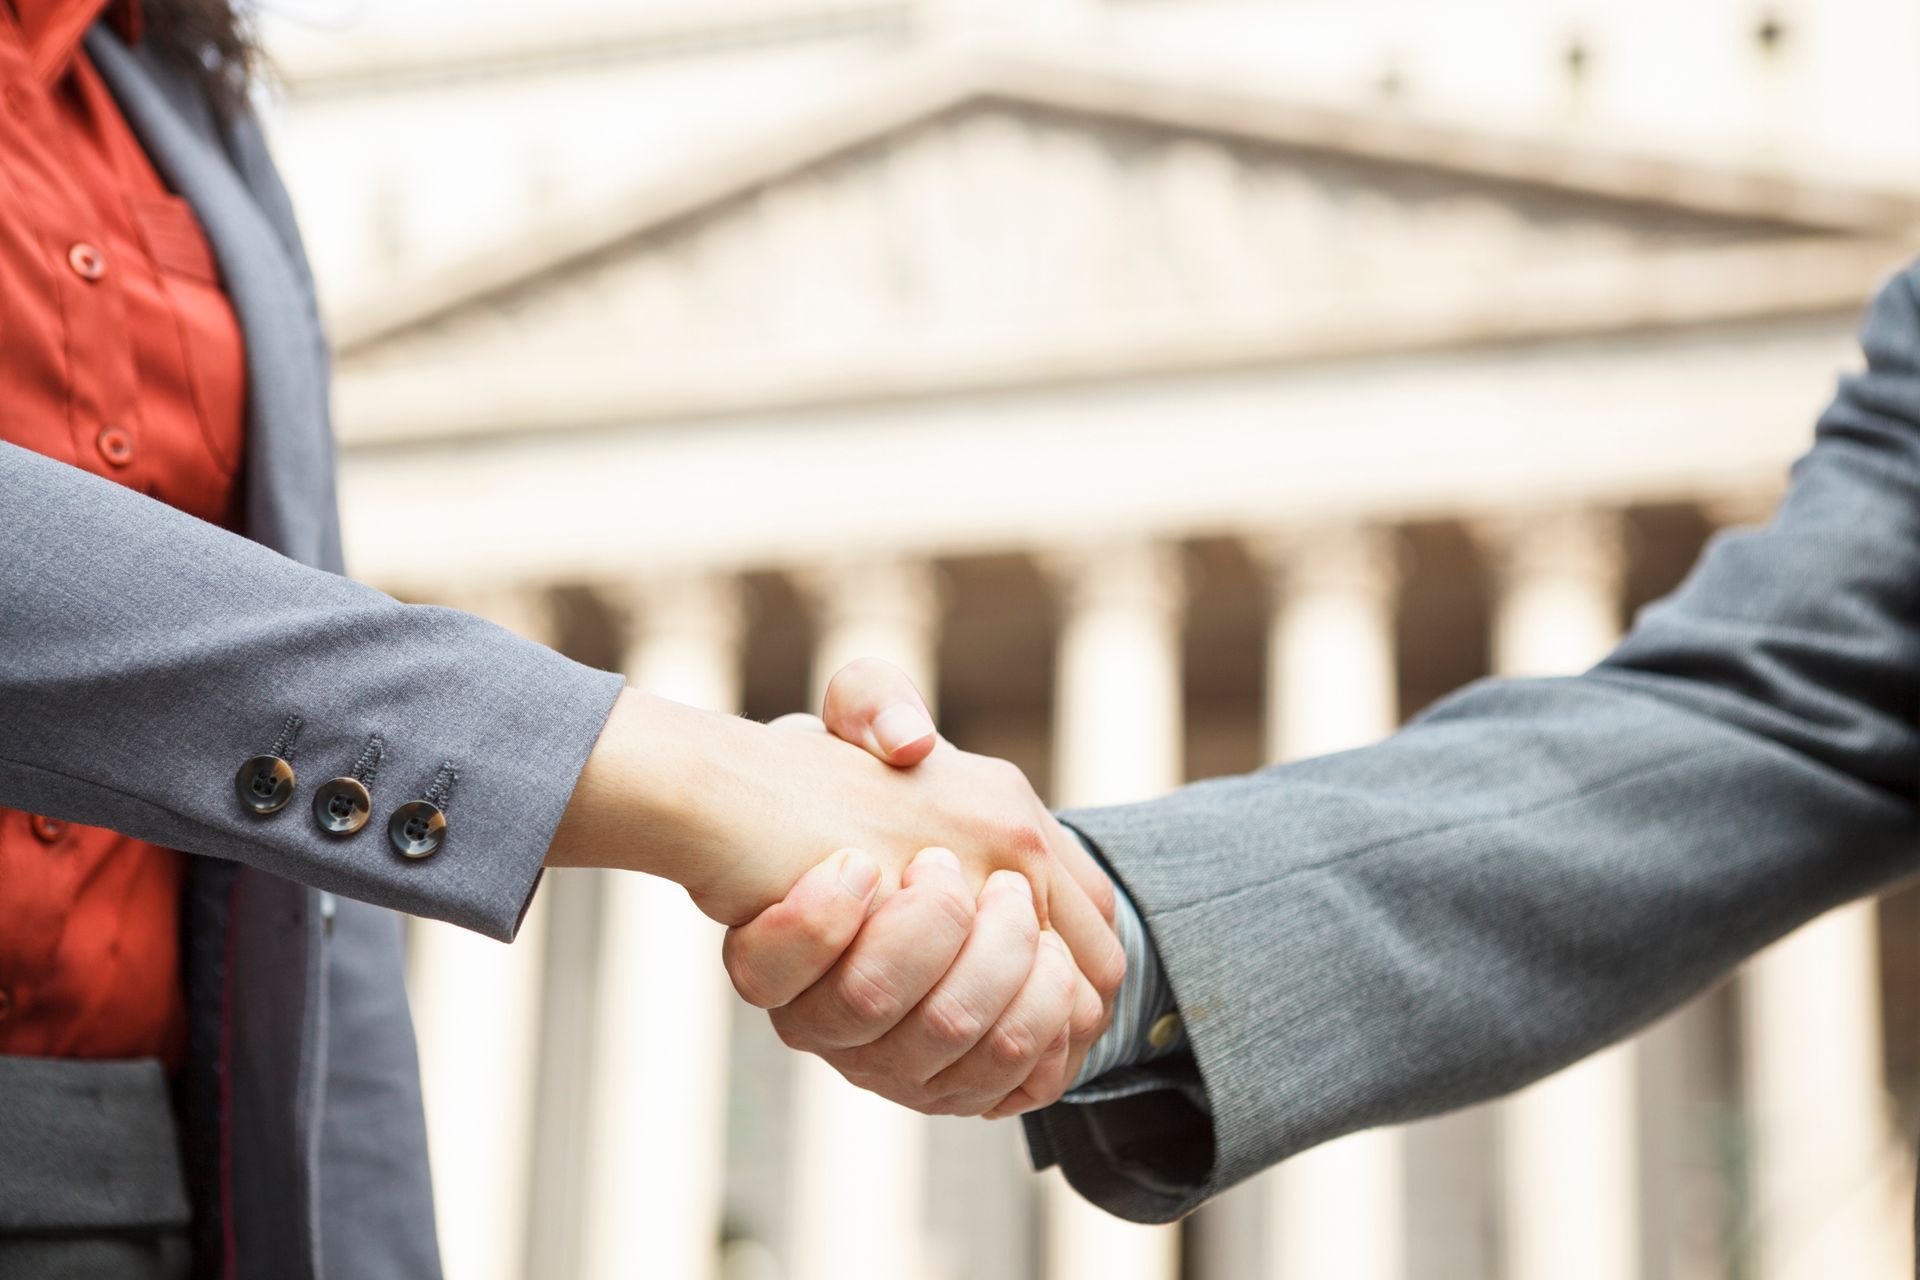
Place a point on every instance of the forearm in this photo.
(700, 798)
(144, 655)
(1388, 934)
(639, 802)
(1536, 868)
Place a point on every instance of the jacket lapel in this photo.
(290, 489)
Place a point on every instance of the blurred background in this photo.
(1172, 386)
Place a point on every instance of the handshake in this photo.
(955, 953)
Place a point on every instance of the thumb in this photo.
(872, 704)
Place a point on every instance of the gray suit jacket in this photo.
(144, 655)
(1536, 868)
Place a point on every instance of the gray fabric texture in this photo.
(91, 1186)
(87, 1146)
(162, 1254)
(375, 1195)
(1536, 868)
(144, 655)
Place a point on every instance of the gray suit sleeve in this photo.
(145, 654)
(1538, 867)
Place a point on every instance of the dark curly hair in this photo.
(212, 38)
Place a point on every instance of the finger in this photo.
(798, 720)
(789, 946)
(1086, 871)
(973, 995)
(901, 952)
(1096, 949)
(1026, 1033)
(1044, 1087)
(872, 704)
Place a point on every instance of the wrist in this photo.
(641, 803)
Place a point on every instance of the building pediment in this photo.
(987, 211)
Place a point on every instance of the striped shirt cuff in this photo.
(1145, 1026)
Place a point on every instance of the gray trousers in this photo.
(90, 1180)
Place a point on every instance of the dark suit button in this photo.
(342, 806)
(265, 784)
(46, 829)
(417, 828)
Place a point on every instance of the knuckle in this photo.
(943, 908)
(1088, 1020)
(817, 933)
(951, 1023)
(746, 977)
(867, 1000)
(1009, 775)
(1015, 915)
(1020, 844)
(946, 905)
(1067, 991)
(1011, 1044)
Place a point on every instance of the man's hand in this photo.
(739, 812)
(942, 1003)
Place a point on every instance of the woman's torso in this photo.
(119, 354)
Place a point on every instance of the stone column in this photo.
(657, 1136)
(1339, 1209)
(1827, 1168)
(1117, 737)
(476, 1012)
(858, 1177)
(1571, 1142)
(1830, 1174)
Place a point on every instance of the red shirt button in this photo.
(116, 446)
(47, 829)
(87, 262)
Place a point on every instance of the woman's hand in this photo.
(936, 1001)
(738, 812)
(956, 955)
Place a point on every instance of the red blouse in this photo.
(120, 355)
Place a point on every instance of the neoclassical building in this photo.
(1163, 425)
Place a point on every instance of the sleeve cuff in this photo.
(1146, 1025)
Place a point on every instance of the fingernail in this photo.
(859, 873)
(900, 725)
(1011, 882)
(936, 856)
